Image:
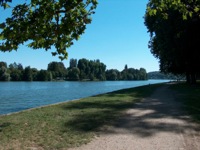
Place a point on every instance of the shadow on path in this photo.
(158, 113)
(157, 122)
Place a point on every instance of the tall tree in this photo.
(3, 64)
(46, 23)
(73, 74)
(83, 65)
(44, 75)
(28, 74)
(57, 69)
(174, 31)
(16, 75)
(112, 74)
(16, 71)
(73, 63)
(4, 75)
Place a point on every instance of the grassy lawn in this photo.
(189, 95)
(68, 124)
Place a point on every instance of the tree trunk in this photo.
(193, 78)
(188, 79)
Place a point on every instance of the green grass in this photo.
(68, 124)
(189, 95)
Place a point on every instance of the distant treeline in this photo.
(78, 70)
(159, 75)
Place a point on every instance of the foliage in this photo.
(126, 74)
(4, 4)
(15, 72)
(73, 63)
(174, 31)
(3, 64)
(91, 70)
(87, 70)
(112, 74)
(44, 75)
(57, 69)
(16, 75)
(73, 74)
(45, 24)
(4, 75)
(159, 75)
(28, 74)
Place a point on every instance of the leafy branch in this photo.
(45, 24)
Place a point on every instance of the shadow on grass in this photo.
(97, 111)
(189, 95)
(4, 125)
(93, 113)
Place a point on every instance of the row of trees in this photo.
(82, 69)
(160, 75)
(16, 72)
(86, 69)
(126, 74)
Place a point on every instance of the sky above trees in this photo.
(117, 36)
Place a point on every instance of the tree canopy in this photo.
(175, 35)
(46, 23)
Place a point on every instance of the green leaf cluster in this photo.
(45, 24)
(187, 8)
(174, 35)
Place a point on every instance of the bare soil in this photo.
(156, 123)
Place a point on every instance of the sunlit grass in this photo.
(68, 124)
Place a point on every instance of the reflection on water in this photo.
(17, 96)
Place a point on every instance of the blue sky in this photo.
(116, 36)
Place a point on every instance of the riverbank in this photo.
(68, 124)
(158, 122)
(18, 96)
(76, 123)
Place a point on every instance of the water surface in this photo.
(17, 96)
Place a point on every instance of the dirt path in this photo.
(157, 123)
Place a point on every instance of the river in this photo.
(17, 96)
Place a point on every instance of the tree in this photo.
(101, 75)
(143, 74)
(174, 31)
(28, 74)
(16, 71)
(16, 75)
(126, 67)
(3, 64)
(4, 75)
(73, 74)
(45, 24)
(57, 69)
(44, 75)
(73, 63)
(34, 72)
(83, 65)
(112, 74)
